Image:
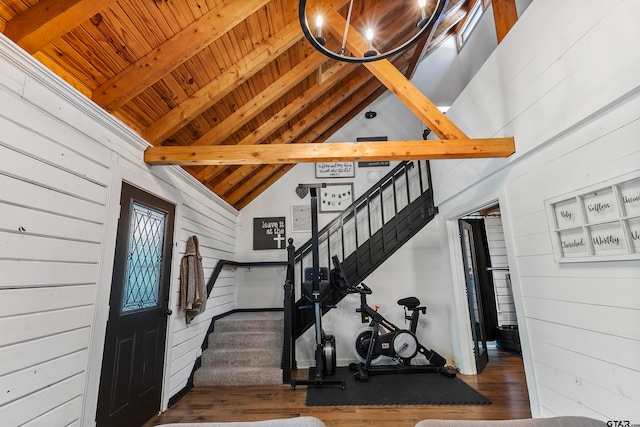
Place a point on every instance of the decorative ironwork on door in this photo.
(144, 260)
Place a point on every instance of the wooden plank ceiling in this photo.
(201, 73)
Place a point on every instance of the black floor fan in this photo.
(315, 289)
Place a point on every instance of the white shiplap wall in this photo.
(565, 83)
(62, 161)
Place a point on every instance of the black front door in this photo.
(132, 366)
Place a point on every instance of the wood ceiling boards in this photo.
(197, 74)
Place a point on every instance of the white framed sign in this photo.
(335, 197)
(599, 223)
(335, 170)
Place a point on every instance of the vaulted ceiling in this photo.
(201, 73)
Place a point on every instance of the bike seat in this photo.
(409, 302)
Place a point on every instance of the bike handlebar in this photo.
(362, 289)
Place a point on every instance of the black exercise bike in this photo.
(383, 338)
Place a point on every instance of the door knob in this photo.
(168, 313)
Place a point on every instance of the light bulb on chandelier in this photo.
(424, 24)
(319, 37)
(370, 52)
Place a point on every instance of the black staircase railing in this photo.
(369, 231)
(222, 263)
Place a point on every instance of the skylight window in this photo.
(472, 20)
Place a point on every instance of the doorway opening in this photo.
(492, 314)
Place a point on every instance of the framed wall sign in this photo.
(269, 233)
(335, 170)
(335, 197)
(379, 163)
(599, 223)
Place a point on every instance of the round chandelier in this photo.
(424, 22)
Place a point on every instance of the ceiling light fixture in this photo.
(424, 24)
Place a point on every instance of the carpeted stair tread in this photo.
(241, 357)
(240, 376)
(244, 349)
(250, 321)
(265, 339)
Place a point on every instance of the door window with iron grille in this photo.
(144, 260)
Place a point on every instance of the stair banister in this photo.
(361, 253)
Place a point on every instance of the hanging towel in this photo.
(193, 290)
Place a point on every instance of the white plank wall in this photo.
(61, 165)
(568, 91)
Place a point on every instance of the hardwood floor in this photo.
(502, 381)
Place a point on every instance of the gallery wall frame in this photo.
(335, 197)
(300, 218)
(598, 223)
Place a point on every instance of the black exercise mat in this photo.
(394, 389)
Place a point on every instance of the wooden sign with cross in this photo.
(269, 233)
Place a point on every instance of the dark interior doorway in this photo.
(474, 295)
(484, 276)
(496, 320)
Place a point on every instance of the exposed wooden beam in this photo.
(47, 20)
(397, 83)
(181, 47)
(329, 152)
(505, 16)
(224, 84)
